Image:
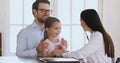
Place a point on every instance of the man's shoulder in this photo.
(26, 29)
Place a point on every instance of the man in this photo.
(29, 37)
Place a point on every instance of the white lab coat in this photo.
(92, 52)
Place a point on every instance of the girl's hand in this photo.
(64, 43)
(57, 53)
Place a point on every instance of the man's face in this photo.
(43, 12)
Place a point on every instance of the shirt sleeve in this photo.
(22, 50)
(96, 40)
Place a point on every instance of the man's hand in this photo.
(42, 46)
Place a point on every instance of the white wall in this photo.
(111, 20)
(4, 24)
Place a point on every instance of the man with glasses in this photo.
(29, 37)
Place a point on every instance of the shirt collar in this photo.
(35, 25)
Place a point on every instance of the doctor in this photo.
(100, 47)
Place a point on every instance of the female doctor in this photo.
(100, 48)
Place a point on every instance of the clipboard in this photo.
(58, 60)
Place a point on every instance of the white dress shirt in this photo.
(28, 39)
(92, 52)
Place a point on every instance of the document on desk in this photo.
(58, 60)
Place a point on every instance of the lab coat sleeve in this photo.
(93, 45)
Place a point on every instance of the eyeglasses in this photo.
(45, 10)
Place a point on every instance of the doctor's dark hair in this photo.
(91, 18)
(35, 5)
(49, 23)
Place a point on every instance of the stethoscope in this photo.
(86, 35)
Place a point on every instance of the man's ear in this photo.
(34, 12)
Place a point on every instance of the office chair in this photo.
(118, 60)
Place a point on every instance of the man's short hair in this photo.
(36, 3)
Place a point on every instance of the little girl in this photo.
(51, 37)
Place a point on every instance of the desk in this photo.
(15, 59)
(58, 60)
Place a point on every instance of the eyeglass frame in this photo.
(45, 10)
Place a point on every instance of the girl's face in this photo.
(54, 30)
